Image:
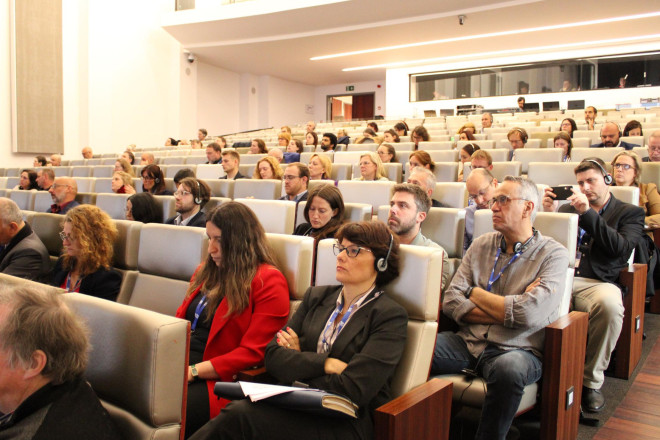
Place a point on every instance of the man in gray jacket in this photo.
(23, 254)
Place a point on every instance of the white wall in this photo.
(218, 97)
(321, 95)
(6, 156)
(288, 101)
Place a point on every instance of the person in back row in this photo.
(230, 162)
(213, 153)
(63, 192)
(481, 186)
(190, 197)
(610, 135)
(296, 179)
(426, 180)
(153, 181)
(45, 178)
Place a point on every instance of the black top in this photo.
(104, 283)
(200, 336)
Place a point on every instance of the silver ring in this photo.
(288, 345)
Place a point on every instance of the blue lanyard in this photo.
(198, 311)
(328, 332)
(68, 283)
(492, 280)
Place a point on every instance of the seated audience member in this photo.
(486, 122)
(328, 142)
(371, 168)
(55, 160)
(324, 213)
(147, 159)
(195, 144)
(131, 148)
(426, 180)
(368, 137)
(182, 174)
(201, 134)
(373, 126)
(481, 159)
(44, 355)
(276, 154)
(633, 128)
(87, 153)
(39, 161)
(401, 128)
(481, 186)
(213, 153)
(311, 126)
(502, 319)
(517, 139)
(342, 137)
(27, 181)
(627, 170)
(296, 179)
(465, 156)
(466, 135)
(293, 151)
(566, 86)
(311, 138)
(569, 126)
(153, 181)
(320, 167)
(409, 207)
(222, 141)
(230, 162)
(237, 300)
(609, 230)
(468, 127)
(419, 134)
(85, 266)
(183, 142)
(122, 183)
(258, 147)
(171, 142)
(285, 129)
(189, 199)
(268, 168)
(309, 349)
(653, 148)
(63, 192)
(521, 104)
(123, 165)
(610, 136)
(145, 208)
(45, 178)
(422, 159)
(387, 153)
(590, 115)
(129, 156)
(563, 140)
(391, 136)
(283, 139)
(22, 254)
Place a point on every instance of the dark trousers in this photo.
(506, 373)
(198, 411)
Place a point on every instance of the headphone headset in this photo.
(523, 134)
(198, 198)
(518, 246)
(607, 177)
(381, 264)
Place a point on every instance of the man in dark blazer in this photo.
(653, 147)
(230, 162)
(610, 136)
(609, 230)
(296, 179)
(190, 197)
(23, 254)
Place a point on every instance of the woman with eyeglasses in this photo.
(568, 125)
(345, 339)
(627, 171)
(237, 300)
(85, 266)
(153, 181)
(419, 134)
(371, 168)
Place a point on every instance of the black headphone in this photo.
(523, 134)
(198, 198)
(381, 264)
(156, 180)
(607, 177)
(518, 246)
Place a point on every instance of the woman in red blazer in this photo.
(236, 302)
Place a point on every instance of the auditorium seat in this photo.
(24, 199)
(636, 140)
(497, 154)
(42, 201)
(642, 152)
(125, 255)
(349, 157)
(446, 171)
(173, 160)
(167, 202)
(247, 169)
(171, 170)
(82, 171)
(451, 194)
(440, 145)
(606, 154)
(196, 160)
(481, 143)
(552, 174)
(103, 185)
(525, 156)
(213, 202)
(265, 189)
(86, 198)
(251, 159)
(13, 172)
(113, 204)
(372, 193)
(443, 155)
(314, 183)
(209, 172)
(137, 366)
(220, 187)
(85, 184)
(62, 171)
(276, 216)
(48, 226)
(305, 157)
(103, 171)
(362, 147)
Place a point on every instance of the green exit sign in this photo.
(350, 88)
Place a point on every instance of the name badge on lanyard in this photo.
(492, 278)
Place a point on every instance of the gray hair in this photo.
(10, 212)
(39, 320)
(655, 135)
(528, 191)
(429, 177)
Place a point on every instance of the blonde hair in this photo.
(327, 164)
(638, 164)
(274, 165)
(467, 125)
(125, 178)
(380, 169)
(95, 233)
(127, 167)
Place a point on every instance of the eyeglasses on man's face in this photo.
(352, 250)
(502, 200)
(290, 177)
(181, 193)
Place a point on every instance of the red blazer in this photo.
(237, 342)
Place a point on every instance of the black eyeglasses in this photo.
(352, 250)
(502, 200)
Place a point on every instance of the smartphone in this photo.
(562, 192)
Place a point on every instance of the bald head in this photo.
(610, 134)
(63, 191)
(147, 159)
(87, 153)
(481, 185)
(55, 160)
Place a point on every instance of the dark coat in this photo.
(104, 283)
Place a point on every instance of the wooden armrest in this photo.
(422, 413)
(257, 375)
(563, 369)
(629, 346)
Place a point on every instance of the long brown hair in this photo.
(96, 234)
(244, 248)
(332, 195)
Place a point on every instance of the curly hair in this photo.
(327, 164)
(274, 166)
(95, 233)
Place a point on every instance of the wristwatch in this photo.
(468, 292)
(195, 374)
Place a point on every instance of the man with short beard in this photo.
(189, 199)
(611, 137)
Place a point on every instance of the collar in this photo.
(298, 196)
(43, 396)
(604, 208)
(56, 209)
(179, 222)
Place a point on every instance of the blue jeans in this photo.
(506, 373)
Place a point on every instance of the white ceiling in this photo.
(281, 43)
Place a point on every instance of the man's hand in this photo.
(549, 202)
(579, 201)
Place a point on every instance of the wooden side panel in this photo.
(629, 346)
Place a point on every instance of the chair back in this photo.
(264, 189)
(276, 216)
(113, 204)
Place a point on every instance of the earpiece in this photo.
(198, 199)
(156, 180)
(523, 135)
(518, 246)
(381, 264)
(607, 177)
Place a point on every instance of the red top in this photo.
(237, 342)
